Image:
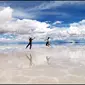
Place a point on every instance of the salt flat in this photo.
(59, 64)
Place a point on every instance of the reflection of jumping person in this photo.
(47, 42)
(30, 43)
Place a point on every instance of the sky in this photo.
(57, 19)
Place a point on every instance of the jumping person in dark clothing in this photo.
(47, 42)
(30, 43)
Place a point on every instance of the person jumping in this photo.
(30, 43)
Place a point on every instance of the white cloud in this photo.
(47, 5)
(25, 27)
(77, 28)
(5, 15)
(23, 14)
(57, 22)
(28, 27)
(54, 4)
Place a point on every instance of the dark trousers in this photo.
(29, 44)
(47, 43)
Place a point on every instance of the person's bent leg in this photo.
(30, 46)
(27, 45)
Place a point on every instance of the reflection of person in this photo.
(47, 42)
(30, 59)
(30, 43)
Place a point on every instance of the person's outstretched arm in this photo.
(33, 38)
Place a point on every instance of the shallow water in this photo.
(59, 64)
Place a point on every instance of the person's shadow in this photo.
(30, 59)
